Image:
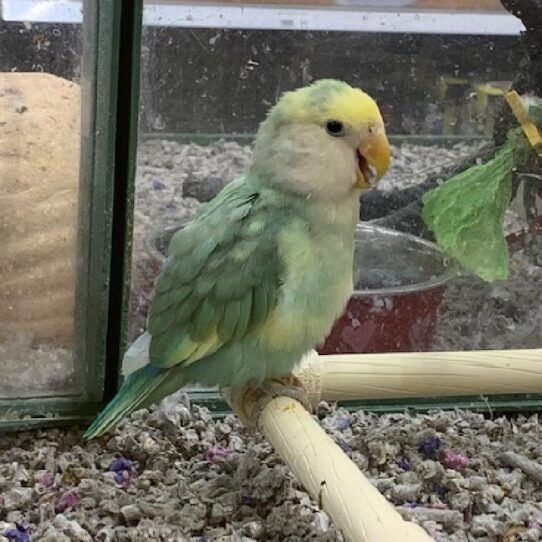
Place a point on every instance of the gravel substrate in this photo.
(176, 474)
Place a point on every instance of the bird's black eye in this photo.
(335, 128)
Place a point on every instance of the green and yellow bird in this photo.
(260, 275)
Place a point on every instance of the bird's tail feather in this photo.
(133, 393)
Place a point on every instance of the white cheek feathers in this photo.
(309, 161)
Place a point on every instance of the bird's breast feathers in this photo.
(316, 287)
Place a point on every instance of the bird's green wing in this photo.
(221, 279)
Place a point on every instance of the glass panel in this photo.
(205, 90)
(40, 113)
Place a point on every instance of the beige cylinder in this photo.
(420, 374)
(356, 507)
(39, 178)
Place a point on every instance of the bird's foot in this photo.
(287, 386)
(249, 402)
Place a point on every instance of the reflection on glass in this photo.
(484, 5)
(205, 90)
(39, 181)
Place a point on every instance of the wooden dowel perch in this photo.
(358, 510)
(420, 374)
(356, 507)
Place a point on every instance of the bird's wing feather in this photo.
(221, 281)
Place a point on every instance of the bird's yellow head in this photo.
(330, 135)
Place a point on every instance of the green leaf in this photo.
(466, 215)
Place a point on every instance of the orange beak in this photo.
(373, 154)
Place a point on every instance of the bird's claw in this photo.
(287, 386)
(249, 402)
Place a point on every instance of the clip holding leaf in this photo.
(529, 128)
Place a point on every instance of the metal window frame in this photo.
(110, 32)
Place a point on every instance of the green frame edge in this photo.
(519, 402)
(100, 63)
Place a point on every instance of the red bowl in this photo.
(401, 282)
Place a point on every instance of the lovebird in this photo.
(258, 278)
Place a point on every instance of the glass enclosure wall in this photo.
(40, 139)
(207, 82)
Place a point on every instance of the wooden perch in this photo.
(420, 374)
(355, 506)
(358, 510)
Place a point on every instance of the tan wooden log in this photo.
(341, 489)
(421, 374)
(355, 506)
